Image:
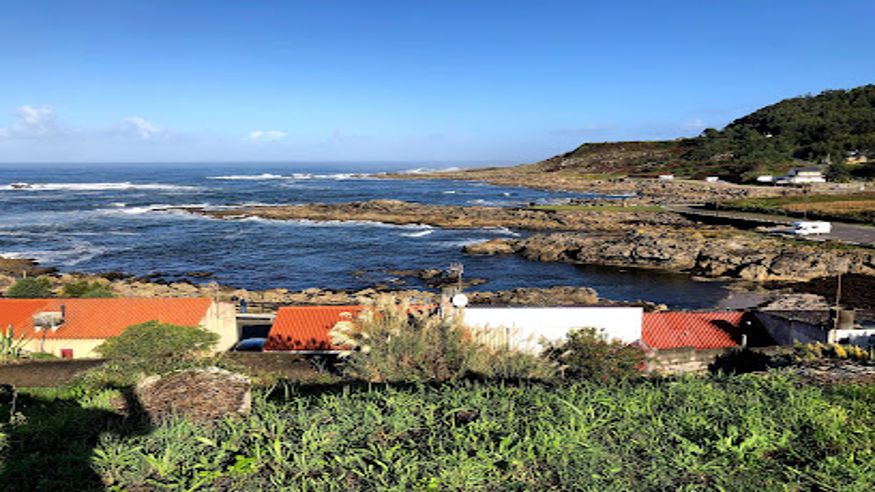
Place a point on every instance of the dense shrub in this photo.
(155, 340)
(84, 288)
(30, 288)
(149, 348)
(391, 341)
(587, 354)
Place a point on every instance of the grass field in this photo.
(857, 207)
(753, 432)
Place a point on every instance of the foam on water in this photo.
(117, 186)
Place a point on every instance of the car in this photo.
(249, 345)
(806, 228)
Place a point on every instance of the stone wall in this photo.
(683, 360)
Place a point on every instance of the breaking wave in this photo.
(118, 186)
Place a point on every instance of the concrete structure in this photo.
(666, 177)
(524, 328)
(789, 327)
(73, 328)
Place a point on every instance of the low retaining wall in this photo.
(692, 361)
(45, 373)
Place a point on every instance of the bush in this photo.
(392, 342)
(154, 340)
(85, 289)
(587, 354)
(148, 348)
(30, 288)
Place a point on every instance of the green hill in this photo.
(829, 127)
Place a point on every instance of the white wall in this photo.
(526, 326)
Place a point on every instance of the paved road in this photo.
(849, 233)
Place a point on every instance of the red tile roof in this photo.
(700, 330)
(101, 318)
(306, 327)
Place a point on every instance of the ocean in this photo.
(103, 218)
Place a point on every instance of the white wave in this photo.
(122, 186)
(72, 254)
(119, 204)
(428, 170)
(422, 233)
(505, 231)
(156, 208)
(249, 177)
(450, 192)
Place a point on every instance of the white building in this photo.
(802, 175)
(523, 328)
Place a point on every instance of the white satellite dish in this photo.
(460, 300)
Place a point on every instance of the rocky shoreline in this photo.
(705, 252)
(455, 217)
(128, 286)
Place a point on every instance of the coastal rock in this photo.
(200, 395)
(457, 217)
(713, 253)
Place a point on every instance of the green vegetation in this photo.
(84, 288)
(11, 347)
(154, 340)
(855, 207)
(394, 342)
(30, 288)
(587, 354)
(814, 128)
(771, 140)
(752, 432)
(598, 208)
(149, 348)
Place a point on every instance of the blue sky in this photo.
(439, 81)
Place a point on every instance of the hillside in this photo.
(828, 126)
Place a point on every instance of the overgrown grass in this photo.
(854, 207)
(753, 432)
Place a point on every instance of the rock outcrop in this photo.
(706, 253)
(457, 217)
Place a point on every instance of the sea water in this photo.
(100, 218)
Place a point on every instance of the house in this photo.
(305, 328)
(666, 177)
(802, 175)
(73, 328)
(824, 326)
(697, 330)
(712, 179)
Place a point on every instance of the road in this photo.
(849, 233)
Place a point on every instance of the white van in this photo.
(805, 228)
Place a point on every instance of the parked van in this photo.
(805, 228)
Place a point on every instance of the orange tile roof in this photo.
(18, 313)
(102, 318)
(700, 330)
(306, 327)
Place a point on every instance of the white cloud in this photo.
(140, 128)
(266, 136)
(32, 122)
